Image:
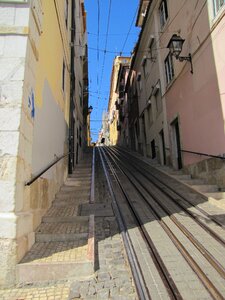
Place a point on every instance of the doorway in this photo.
(153, 149)
(177, 144)
(163, 147)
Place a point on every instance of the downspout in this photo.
(72, 87)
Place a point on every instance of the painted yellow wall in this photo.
(53, 47)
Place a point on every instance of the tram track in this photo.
(117, 161)
(171, 192)
(164, 274)
(217, 265)
(200, 219)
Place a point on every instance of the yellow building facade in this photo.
(114, 125)
(42, 54)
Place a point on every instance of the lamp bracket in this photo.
(186, 58)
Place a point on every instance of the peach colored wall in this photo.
(196, 99)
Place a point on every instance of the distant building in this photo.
(43, 112)
(114, 100)
(105, 128)
(122, 104)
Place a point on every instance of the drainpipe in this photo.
(72, 88)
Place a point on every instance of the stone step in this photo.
(78, 183)
(75, 178)
(86, 164)
(217, 196)
(84, 177)
(205, 188)
(182, 177)
(69, 202)
(75, 189)
(98, 209)
(73, 194)
(175, 172)
(194, 181)
(55, 260)
(60, 231)
(58, 212)
(82, 171)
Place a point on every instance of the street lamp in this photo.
(175, 46)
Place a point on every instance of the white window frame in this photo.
(217, 6)
(66, 13)
(169, 68)
(163, 13)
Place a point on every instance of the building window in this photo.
(163, 12)
(218, 4)
(66, 12)
(63, 76)
(139, 81)
(169, 68)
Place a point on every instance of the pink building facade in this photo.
(180, 120)
(195, 102)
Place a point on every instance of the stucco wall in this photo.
(33, 122)
(13, 43)
(196, 99)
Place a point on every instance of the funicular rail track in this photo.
(201, 246)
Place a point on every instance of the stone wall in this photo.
(25, 80)
(13, 44)
(211, 170)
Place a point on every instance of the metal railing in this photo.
(34, 178)
(200, 153)
(196, 153)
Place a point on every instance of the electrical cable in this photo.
(106, 43)
(131, 25)
(98, 42)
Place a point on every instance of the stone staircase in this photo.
(210, 191)
(64, 241)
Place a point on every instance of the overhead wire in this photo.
(128, 33)
(106, 42)
(98, 42)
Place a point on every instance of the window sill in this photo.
(219, 16)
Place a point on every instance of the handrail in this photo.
(198, 153)
(204, 154)
(34, 178)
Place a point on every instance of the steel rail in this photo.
(164, 274)
(170, 187)
(205, 280)
(211, 232)
(219, 268)
(135, 267)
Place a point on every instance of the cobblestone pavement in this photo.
(112, 279)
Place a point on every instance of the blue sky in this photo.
(118, 24)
